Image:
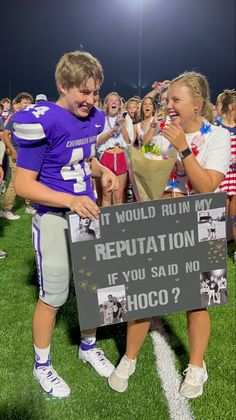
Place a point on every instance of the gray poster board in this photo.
(145, 259)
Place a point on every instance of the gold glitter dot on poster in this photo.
(84, 258)
(177, 221)
(123, 230)
(150, 259)
(93, 288)
(177, 279)
(89, 273)
(81, 270)
(83, 284)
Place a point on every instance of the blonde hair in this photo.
(130, 100)
(75, 68)
(198, 85)
(228, 97)
(106, 99)
(209, 114)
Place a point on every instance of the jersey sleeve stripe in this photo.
(29, 131)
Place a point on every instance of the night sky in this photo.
(176, 35)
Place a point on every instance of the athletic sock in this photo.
(42, 356)
(88, 342)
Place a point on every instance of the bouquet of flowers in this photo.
(149, 171)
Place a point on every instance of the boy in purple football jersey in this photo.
(54, 167)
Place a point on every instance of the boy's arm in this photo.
(107, 177)
(27, 186)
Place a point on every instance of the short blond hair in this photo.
(130, 100)
(198, 85)
(76, 67)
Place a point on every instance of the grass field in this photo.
(91, 398)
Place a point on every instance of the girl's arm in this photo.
(108, 178)
(106, 136)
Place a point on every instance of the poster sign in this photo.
(145, 259)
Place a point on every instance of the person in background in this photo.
(21, 100)
(228, 110)
(160, 117)
(54, 168)
(6, 110)
(148, 109)
(3, 254)
(111, 144)
(218, 106)
(40, 98)
(139, 104)
(130, 115)
(1, 122)
(203, 157)
(158, 88)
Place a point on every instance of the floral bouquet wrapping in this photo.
(149, 171)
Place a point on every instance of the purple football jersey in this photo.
(58, 145)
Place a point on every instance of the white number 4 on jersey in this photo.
(38, 110)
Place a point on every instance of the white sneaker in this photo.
(119, 377)
(8, 214)
(51, 382)
(3, 254)
(192, 386)
(97, 359)
(30, 210)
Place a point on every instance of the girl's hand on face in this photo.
(176, 136)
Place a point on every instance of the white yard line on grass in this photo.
(170, 377)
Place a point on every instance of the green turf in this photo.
(91, 398)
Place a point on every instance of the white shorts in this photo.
(51, 243)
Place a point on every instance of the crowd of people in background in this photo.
(131, 122)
